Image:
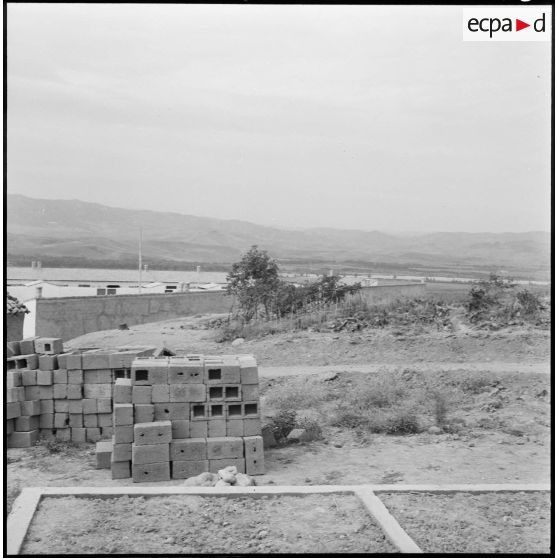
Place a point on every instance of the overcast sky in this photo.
(369, 117)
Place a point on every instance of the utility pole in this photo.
(139, 262)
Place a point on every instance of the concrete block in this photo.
(151, 472)
(233, 392)
(32, 392)
(63, 361)
(251, 392)
(44, 377)
(199, 411)
(12, 349)
(12, 395)
(73, 361)
(92, 434)
(61, 406)
(104, 405)
(13, 378)
(123, 359)
(233, 411)
(74, 391)
(238, 462)
(123, 391)
(123, 434)
(147, 433)
(198, 429)
(48, 362)
(60, 391)
(101, 376)
(255, 464)
(47, 406)
(248, 370)
(120, 374)
(46, 420)
(216, 411)
(10, 426)
(187, 393)
(30, 362)
(221, 448)
(172, 411)
(78, 435)
(107, 432)
(89, 406)
(148, 371)
(75, 376)
(46, 392)
(103, 451)
(153, 453)
(63, 434)
(97, 391)
(216, 428)
(60, 376)
(21, 392)
(26, 423)
(252, 427)
(180, 429)
(215, 393)
(31, 408)
(49, 346)
(95, 360)
(192, 449)
(27, 345)
(184, 370)
(104, 420)
(160, 393)
(251, 409)
(29, 377)
(235, 427)
(141, 395)
(23, 439)
(121, 469)
(47, 434)
(253, 445)
(61, 420)
(144, 413)
(76, 420)
(224, 370)
(13, 410)
(123, 414)
(122, 452)
(90, 421)
(187, 469)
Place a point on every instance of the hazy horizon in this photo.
(371, 118)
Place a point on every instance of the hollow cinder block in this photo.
(224, 447)
(46, 392)
(92, 434)
(26, 423)
(251, 392)
(76, 420)
(60, 391)
(216, 411)
(97, 376)
(31, 362)
(160, 393)
(74, 391)
(78, 435)
(95, 360)
(47, 406)
(89, 406)
(187, 469)
(222, 370)
(151, 472)
(144, 413)
(153, 433)
(123, 434)
(104, 420)
(252, 427)
(216, 464)
(185, 393)
(33, 392)
(141, 395)
(150, 453)
(61, 420)
(121, 469)
(23, 439)
(75, 376)
(192, 449)
(235, 428)
(48, 362)
(199, 411)
(97, 391)
(103, 452)
(122, 452)
(172, 411)
(123, 414)
(31, 408)
(184, 370)
(13, 348)
(90, 421)
(198, 429)
(27, 345)
(104, 405)
(216, 428)
(148, 371)
(13, 410)
(233, 411)
(254, 458)
(180, 429)
(44, 377)
(48, 345)
(60, 376)
(13, 378)
(233, 392)
(73, 361)
(63, 434)
(46, 420)
(124, 359)
(251, 409)
(29, 377)
(61, 406)
(122, 391)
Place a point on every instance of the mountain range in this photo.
(43, 228)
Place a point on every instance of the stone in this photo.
(298, 435)
(244, 480)
(228, 474)
(222, 482)
(237, 342)
(434, 430)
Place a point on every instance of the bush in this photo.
(404, 421)
(440, 408)
(282, 423)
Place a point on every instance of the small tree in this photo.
(254, 280)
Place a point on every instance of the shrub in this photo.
(404, 421)
(440, 407)
(283, 422)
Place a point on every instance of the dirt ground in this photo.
(515, 448)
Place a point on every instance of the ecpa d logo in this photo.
(529, 23)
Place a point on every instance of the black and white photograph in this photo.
(278, 278)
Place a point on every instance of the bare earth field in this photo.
(500, 382)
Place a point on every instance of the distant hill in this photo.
(39, 228)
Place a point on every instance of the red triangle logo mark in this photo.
(519, 25)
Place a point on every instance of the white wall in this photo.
(30, 319)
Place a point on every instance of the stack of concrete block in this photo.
(181, 416)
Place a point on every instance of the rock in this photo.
(203, 479)
(434, 430)
(298, 435)
(238, 341)
(328, 376)
(221, 482)
(337, 445)
(268, 436)
(262, 534)
(244, 480)
(228, 474)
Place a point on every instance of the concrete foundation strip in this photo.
(27, 502)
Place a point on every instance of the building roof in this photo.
(13, 306)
